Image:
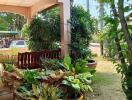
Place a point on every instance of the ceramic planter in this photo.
(92, 64)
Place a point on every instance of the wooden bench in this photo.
(31, 60)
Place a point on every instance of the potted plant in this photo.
(23, 92)
(79, 81)
(29, 77)
(44, 91)
(91, 63)
(71, 83)
(76, 87)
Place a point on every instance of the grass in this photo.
(12, 51)
(106, 82)
(100, 78)
(9, 55)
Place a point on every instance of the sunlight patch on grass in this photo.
(102, 78)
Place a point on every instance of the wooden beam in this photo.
(15, 9)
(41, 5)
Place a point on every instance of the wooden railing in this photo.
(31, 60)
(3, 58)
(8, 59)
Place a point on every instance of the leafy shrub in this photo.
(79, 66)
(8, 67)
(46, 92)
(25, 31)
(77, 85)
(24, 90)
(39, 92)
(81, 30)
(30, 76)
(94, 55)
(73, 81)
(51, 64)
(44, 31)
(7, 61)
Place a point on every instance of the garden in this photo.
(54, 77)
(43, 73)
(55, 80)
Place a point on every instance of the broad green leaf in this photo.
(130, 27)
(76, 81)
(66, 66)
(65, 82)
(67, 60)
(127, 8)
(89, 87)
(35, 89)
(76, 87)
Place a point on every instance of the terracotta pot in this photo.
(92, 64)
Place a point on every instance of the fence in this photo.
(9, 59)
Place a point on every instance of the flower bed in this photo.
(56, 80)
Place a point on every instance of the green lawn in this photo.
(107, 82)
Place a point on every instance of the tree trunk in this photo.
(101, 11)
(119, 49)
(121, 57)
(124, 25)
(101, 48)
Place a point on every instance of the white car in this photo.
(18, 44)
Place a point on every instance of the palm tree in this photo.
(101, 23)
(87, 5)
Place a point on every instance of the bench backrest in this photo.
(31, 60)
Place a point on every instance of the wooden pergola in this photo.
(29, 8)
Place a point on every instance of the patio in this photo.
(29, 8)
(58, 64)
(46, 74)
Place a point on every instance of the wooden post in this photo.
(65, 26)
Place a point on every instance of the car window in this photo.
(20, 43)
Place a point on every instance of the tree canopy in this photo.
(119, 41)
(81, 31)
(10, 21)
(45, 30)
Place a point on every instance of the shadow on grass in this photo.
(106, 78)
(104, 84)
